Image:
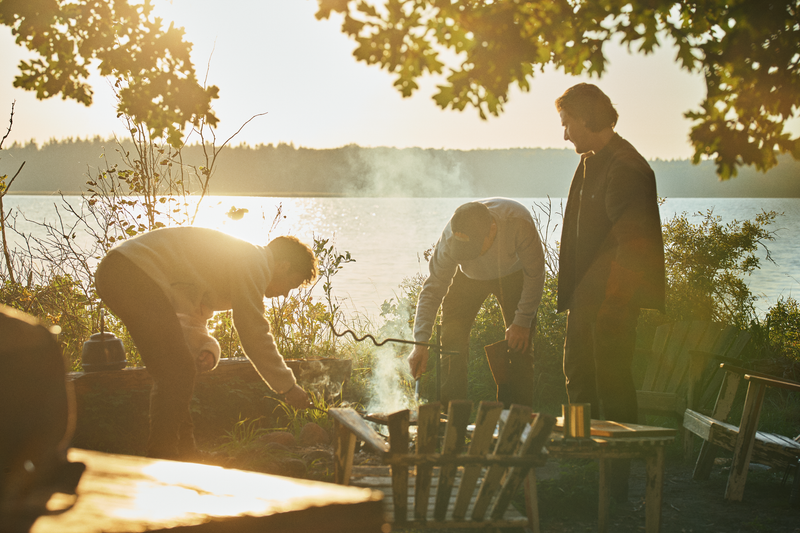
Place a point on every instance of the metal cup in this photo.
(577, 420)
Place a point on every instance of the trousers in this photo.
(598, 354)
(156, 331)
(459, 309)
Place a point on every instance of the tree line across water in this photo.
(286, 170)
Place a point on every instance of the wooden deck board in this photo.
(119, 493)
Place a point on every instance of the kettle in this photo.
(103, 351)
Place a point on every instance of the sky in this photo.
(274, 57)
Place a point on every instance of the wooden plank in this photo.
(677, 382)
(532, 502)
(507, 442)
(654, 490)
(398, 442)
(119, 493)
(485, 424)
(612, 429)
(670, 357)
(532, 447)
(603, 495)
(730, 346)
(427, 439)
(726, 395)
(659, 345)
(351, 420)
(454, 441)
(665, 403)
(774, 382)
(343, 453)
(743, 449)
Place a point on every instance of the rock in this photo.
(292, 467)
(275, 448)
(313, 435)
(283, 438)
(317, 455)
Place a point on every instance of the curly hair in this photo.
(300, 256)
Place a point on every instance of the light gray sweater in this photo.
(203, 270)
(516, 247)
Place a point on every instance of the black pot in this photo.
(103, 351)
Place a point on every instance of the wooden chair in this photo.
(684, 360)
(450, 486)
(746, 443)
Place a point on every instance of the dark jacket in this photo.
(611, 244)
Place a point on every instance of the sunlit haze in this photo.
(275, 57)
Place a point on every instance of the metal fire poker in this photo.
(437, 348)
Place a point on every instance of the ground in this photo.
(688, 506)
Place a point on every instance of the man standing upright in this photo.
(611, 262)
(488, 247)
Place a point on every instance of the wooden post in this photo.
(603, 494)
(654, 490)
(532, 501)
(398, 444)
(743, 449)
(345, 447)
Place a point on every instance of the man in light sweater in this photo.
(488, 247)
(166, 283)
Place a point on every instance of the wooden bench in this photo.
(745, 441)
(448, 486)
(123, 493)
(684, 360)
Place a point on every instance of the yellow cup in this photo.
(577, 420)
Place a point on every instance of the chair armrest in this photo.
(351, 420)
(773, 382)
(744, 371)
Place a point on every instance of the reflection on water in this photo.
(387, 236)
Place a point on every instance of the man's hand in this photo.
(518, 338)
(418, 361)
(204, 362)
(297, 398)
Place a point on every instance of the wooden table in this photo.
(614, 440)
(120, 493)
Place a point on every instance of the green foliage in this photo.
(155, 76)
(783, 325)
(243, 433)
(297, 418)
(746, 50)
(300, 325)
(706, 263)
(57, 302)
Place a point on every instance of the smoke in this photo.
(389, 372)
(409, 172)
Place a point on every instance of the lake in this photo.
(387, 236)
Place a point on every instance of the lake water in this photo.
(387, 236)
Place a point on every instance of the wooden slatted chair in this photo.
(452, 485)
(745, 441)
(684, 360)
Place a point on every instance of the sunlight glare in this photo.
(178, 491)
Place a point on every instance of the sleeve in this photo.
(442, 270)
(632, 206)
(531, 255)
(253, 328)
(198, 338)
